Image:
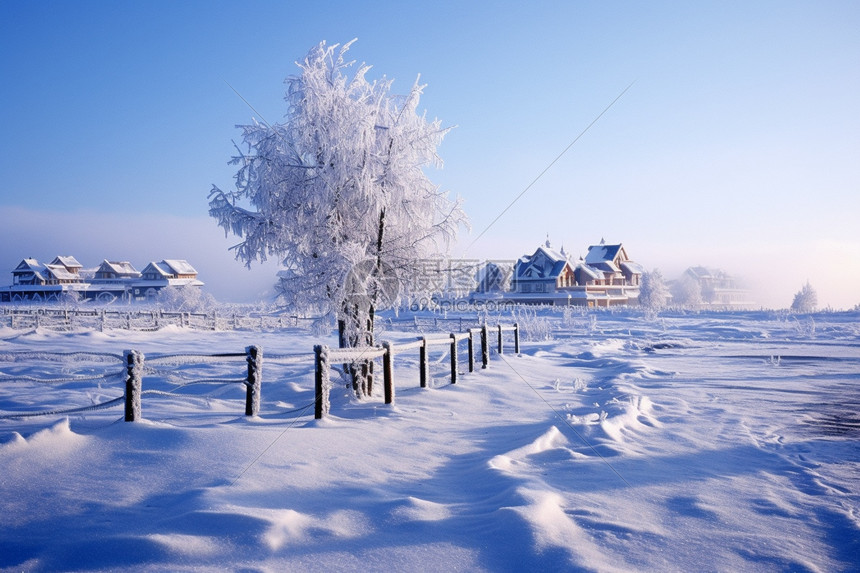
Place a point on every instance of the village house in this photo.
(605, 277)
(542, 277)
(711, 288)
(64, 278)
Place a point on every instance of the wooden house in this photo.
(542, 277)
(116, 270)
(112, 280)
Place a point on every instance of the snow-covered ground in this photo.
(699, 442)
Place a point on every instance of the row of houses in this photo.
(605, 277)
(65, 278)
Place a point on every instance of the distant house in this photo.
(116, 270)
(169, 270)
(29, 272)
(542, 277)
(112, 280)
(714, 287)
(605, 277)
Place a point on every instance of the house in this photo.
(169, 270)
(605, 277)
(115, 270)
(709, 287)
(30, 272)
(62, 278)
(543, 277)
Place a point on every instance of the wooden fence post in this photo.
(133, 384)
(500, 339)
(254, 381)
(422, 362)
(388, 373)
(322, 384)
(453, 358)
(485, 348)
(516, 338)
(471, 350)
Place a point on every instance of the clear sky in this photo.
(737, 146)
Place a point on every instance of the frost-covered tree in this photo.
(687, 291)
(184, 299)
(805, 300)
(339, 193)
(653, 293)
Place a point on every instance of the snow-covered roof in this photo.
(179, 267)
(602, 253)
(590, 271)
(543, 264)
(633, 268)
(158, 268)
(605, 266)
(61, 273)
(67, 261)
(118, 268)
(30, 265)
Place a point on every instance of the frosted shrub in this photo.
(533, 327)
(805, 300)
(653, 293)
(805, 328)
(184, 299)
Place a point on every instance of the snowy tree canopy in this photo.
(687, 291)
(653, 293)
(341, 182)
(805, 300)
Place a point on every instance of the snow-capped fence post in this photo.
(485, 348)
(388, 373)
(516, 338)
(500, 339)
(471, 351)
(133, 384)
(254, 381)
(322, 384)
(422, 362)
(453, 358)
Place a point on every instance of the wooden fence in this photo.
(64, 319)
(134, 365)
(325, 357)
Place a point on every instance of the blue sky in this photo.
(736, 146)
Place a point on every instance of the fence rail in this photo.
(324, 357)
(137, 366)
(63, 319)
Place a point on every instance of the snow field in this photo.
(623, 444)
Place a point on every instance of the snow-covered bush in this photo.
(805, 300)
(532, 326)
(184, 299)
